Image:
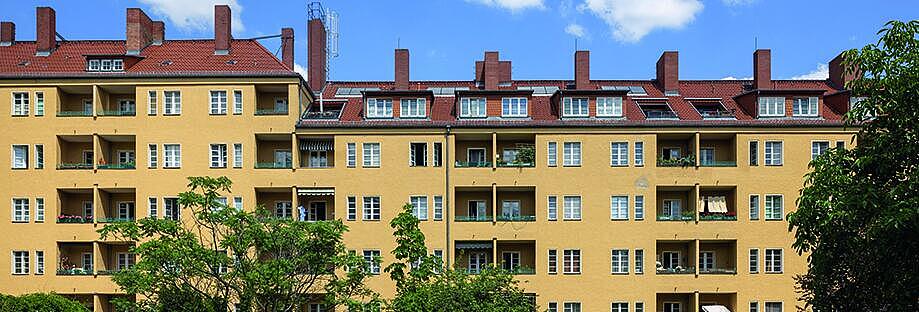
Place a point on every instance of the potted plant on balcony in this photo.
(526, 156)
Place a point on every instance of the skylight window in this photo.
(657, 110)
(540, 90)
(446, 91)
(351, 92)
(711, 109)
(633, 90)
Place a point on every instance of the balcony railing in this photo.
(718, 271)
(117, 113)
(718, 163)
(270, 111)
(327, 114)
(686, 216)
(473, 164)
(116, 166)
(517, 218)
(74, 271)
(74, 166)
(74, 219)
(659, 114)
(74, 114)
(717, 216)
(677, 270)
(473, 218)
(523, 271)
(271, 165)
(716, 114)
(113, 220)
(515, 164)
(689, 160)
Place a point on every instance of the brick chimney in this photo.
(158, 32)
(140, 31)
(316, 61)
(402, 70)
(287, 47)
(762, 69)
(838, 75)
(7, 33)
(668, 72)
(45, 31)
(582, 70)
(222, 31)
(491, 70)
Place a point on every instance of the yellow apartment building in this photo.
(662, 195)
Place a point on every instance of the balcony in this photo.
(278, 200)
(273, 151)
(117, 205)
(711, 109)
(86, 300)
(517, 204)
(75, 152)
(474, 151)
(717, 302)
(474, 256)
(271, 100)
(517, 257)
(75, 101)
(675, 257)
(656, 109)
(316, 152)
(318, 204)
(676, 150)
(118, 152)
(325, 110)
(117, 101)
(516, 150)
(718, 257)
(717, 150)
(473, 204)
(108, 301)
(673, 203)
(115, 257)
(717, 203)
(675, 302)
(76, 205)
(75, 258)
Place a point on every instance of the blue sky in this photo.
(715, 38)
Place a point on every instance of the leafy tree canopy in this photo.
(39, 302)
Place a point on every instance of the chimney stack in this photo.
(316, 61)
(141, 31)
(582, 70)
(7, 33)
(45, 31)
(158, 33)
(668, 72)
(287, 47)
(222, 31)
(838, 75)
(402, 76)
(762, 69)
(491, 70)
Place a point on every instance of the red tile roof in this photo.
(171, 58)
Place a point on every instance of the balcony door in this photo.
(282, 158)
(672, 208)
(510, 209)
(475, 155)
(670, 259)
(477, 262)
(477, 209)
(87, 209)
(87, 106)
(125, 210)
(283, 209)
(510, 260)
(707, 156)
(317, 211)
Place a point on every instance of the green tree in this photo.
(222, 255)
(424, 284)
(858, 212)
(39, 303)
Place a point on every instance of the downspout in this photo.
(447, 207)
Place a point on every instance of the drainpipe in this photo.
(448, 208)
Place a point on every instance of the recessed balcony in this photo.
(675, 203)
(278, 200)
(117, 101)
(316, 152)
(75, 205)
(75, 258)
(717, 203)
(676, 257)
(75, 152)
(118, 152)
(115, 257)
(473, 151)
(676, 150)
(273, 151)
(473, 204)
(516, 150)
(75, 101)
(271, 100)
(318, 204)
(516, 204)
(717, 150)
(517, 257)
(117, 204)
(718, 257)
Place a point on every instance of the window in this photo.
(672, 307)
(20, 210)
(639, 307)
(151, 156)
(237, 102)
(514, 107)
(639, 261)
(609, 107)
(552, 261)
(639, 154)
(92, 65)
(754, 207)
(280, 106)
(125, 261)
(477, 262)
(172, 155)
(472, 107)
(774, 209)
(805, 107)
(818, 148)
(379, 108)
(218, 102)
(372, 208)
(283, 209)
(773, 307)
(372, 261)
(754, 260)
(352, 155)
(552, 208)
(510, 209)
(571, 261)
(771, 106)
(218, 155)
(20, 103)
(87, 261)
(772, 261)
(39, 262)
(418, 154)
(20, 157)
(316, 307)
(151, 100)
(553, 306)
(572, 154)
(39, 209)
(552, 154)
(371, 155)
(754, 306)
(319, 159)
(39, 156)
(619, 154)
(152, 207)
(352, 208)
(754, 153)
(773, 153)
(125, 157)
(706, 261)
(238, 203)
(172, 103)
(419, 207)
(574, 107)
(639, 207)
(619, 208)
(283, 158)
(620, 261)
(572, 208)
(620, 307)
(171, 209)
(20, 262)
(438, 207)
(237, 155)
(572, 307)
(413, 108)
(438, 154)
(106, 65)
(707, 156)
(672, 209)
(510, 260)
(117, 65)
(39, 103)
(125, 211)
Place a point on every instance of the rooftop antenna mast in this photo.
(329, 19)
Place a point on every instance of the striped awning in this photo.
(473, 245)
(316, 192)
(316, 145)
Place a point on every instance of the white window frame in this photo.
(639, 261)
(19, 162)
(639, 207)
(39, 156)
(39, 209)
(619, 306)
(552, 261)
(438, 207)
(619, 261)
(767, 304)
(413, 108)
(771, 212)
(93, 65)
(152, 156)
(571, 154)
(753, 260)
(152, 207)
(218, 155)
(473, 108)
(706, 261)
(552, 154)
(170, 205)
(371, 208)
(572, 208)
(218, 100)
(238, 102)
(117, 65)
(419, 206)
(771, 106)
(371, 155)
(371, 260)
(576, 110)
(754, 206)
(172, 158)
(151, 102)
(20, 207)
(352, 208)
(351, 155)
(172, 103)
(773, 260)
(817, 149)
(124, 260)
(805, 107)
(237, 155)
(378, 108)
(571, 261)
(571, 307)
(39, 103)
(619, 154)
(609, 107)
(19, 262)
(619, 207)
(639, 153)
(106, 65)
(39, 262)
(20, 103)
(552, 208)
(514, 107)
(773, 153)
(238, 202)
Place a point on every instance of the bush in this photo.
(39, 302)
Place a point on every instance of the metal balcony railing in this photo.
(74, 114)
(473, 218)
(270, 111)
(272, 165)
(686, 216)
(473, 164)
(74, 166)
(117, 113)
(517, 218)
(677, 270)
(116, 166)
(718, 163)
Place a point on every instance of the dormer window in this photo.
(514, 107)
(379, 108)
(472, 108)
(805, 107)
(93, 65)
(609, 107)
(105, 65)
(574, 107)
(117, 65)
(771, 106)
(413, 108)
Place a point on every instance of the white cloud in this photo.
(195, 15)
(737, 2)
(576, 30)
(300, 70)
(735, 78)
(822, 72)
(512, 5)
(631, 20)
